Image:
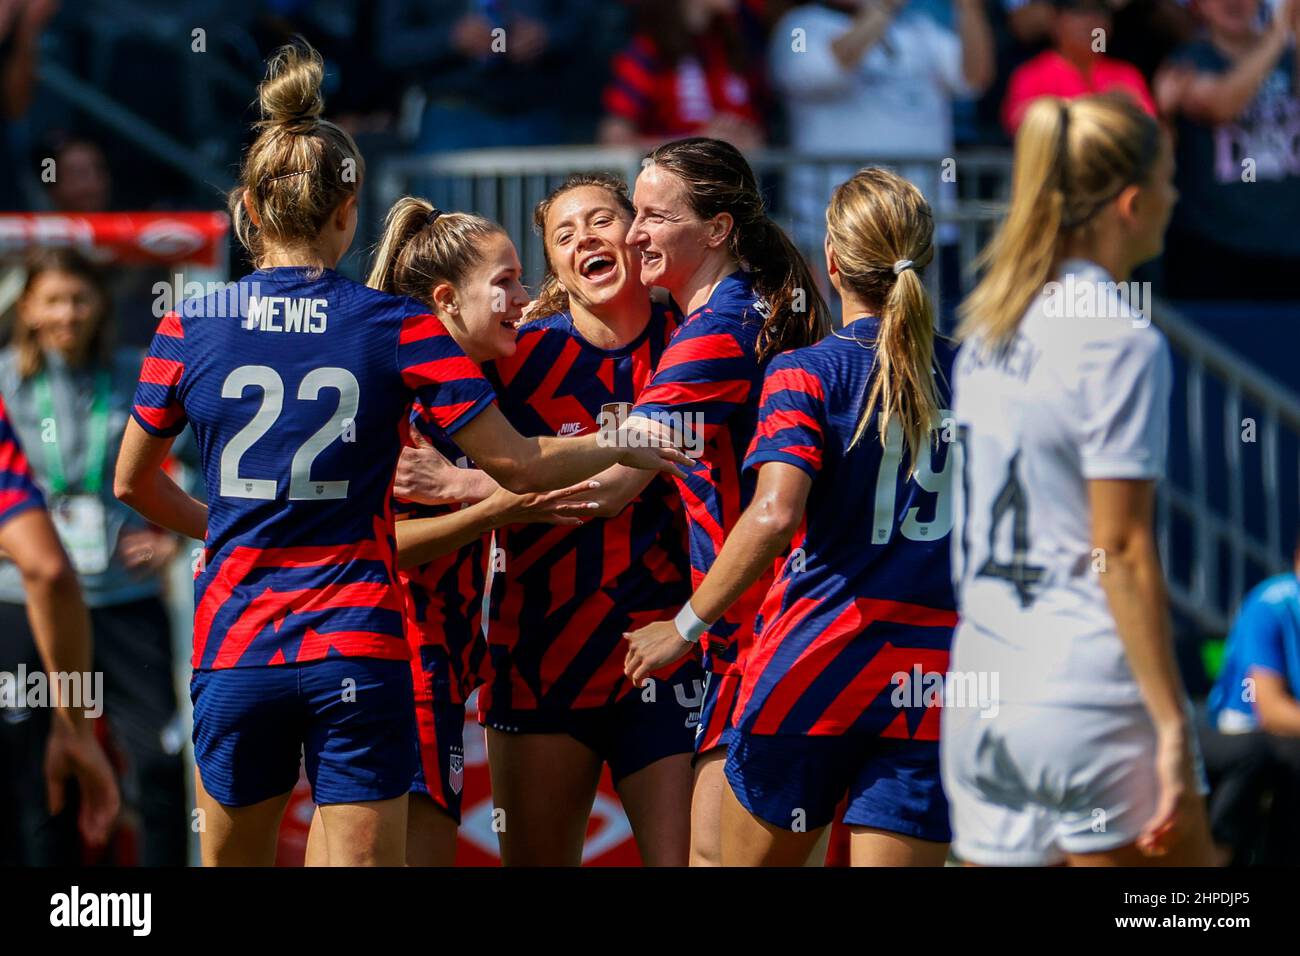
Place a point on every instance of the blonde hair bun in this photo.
(290, 95)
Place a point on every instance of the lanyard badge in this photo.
(79, 518)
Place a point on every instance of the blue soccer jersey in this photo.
(446, 598)
(18, 491)
(709, 380)
(864, 594)
(565, 596)
(297, 388)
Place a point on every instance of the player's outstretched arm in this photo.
(61, 629)
(141, 483)
(1122, 530)
(763, 531)
(522, 464)
(420, 540)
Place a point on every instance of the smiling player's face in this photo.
(490, 299)
(586, 240)
(672, 239)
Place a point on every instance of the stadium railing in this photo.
(1234, 463)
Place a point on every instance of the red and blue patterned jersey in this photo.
(566, 595)
(709, 381)
(446, 596)
(864, 596)
(18, 491)
(297, 385)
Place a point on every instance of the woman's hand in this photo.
(1177, 795)
(653, 647)
(74, 752)
(423, 474)
(146, 551)
(560, 507)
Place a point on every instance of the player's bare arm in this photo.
(522, 464)
(420, 540)
(141, 483)
(762, 533)
(61, 628)
(1122, 521)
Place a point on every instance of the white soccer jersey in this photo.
(1082, 392)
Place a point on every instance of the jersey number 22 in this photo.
(301, 486)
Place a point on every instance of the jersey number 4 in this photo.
(1010, 504)
(301, 486)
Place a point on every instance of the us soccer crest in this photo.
(456, 772)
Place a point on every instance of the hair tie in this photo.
(901, 266)
(430, 219)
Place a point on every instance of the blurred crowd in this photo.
(888, 79)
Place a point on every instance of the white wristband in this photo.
(689, 625)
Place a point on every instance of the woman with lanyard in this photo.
(68, 393)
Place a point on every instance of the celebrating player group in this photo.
(667, 516)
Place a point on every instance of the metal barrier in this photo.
(506, 184)
(1204, 501)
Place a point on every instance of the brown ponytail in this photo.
(882, 233)
(718, 179)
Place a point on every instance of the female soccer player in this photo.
(454, 263)
(704, 235)
(861, 612)
(1085, 754)
(557, 704)
(298, 400)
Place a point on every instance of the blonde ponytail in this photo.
(422, 247)
(1071, 159)
(882, 233)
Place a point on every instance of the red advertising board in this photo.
(123, 238)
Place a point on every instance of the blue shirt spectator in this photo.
(1263, 649)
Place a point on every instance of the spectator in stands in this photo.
(1076, 65)
(1253, 741)
(690, 70)
(1145, 31)
(21, 23)
(873, 80)
(82, 181)
(69, 392)
(1236, 230)
(497, 72)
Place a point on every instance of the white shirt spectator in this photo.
(895, 104)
